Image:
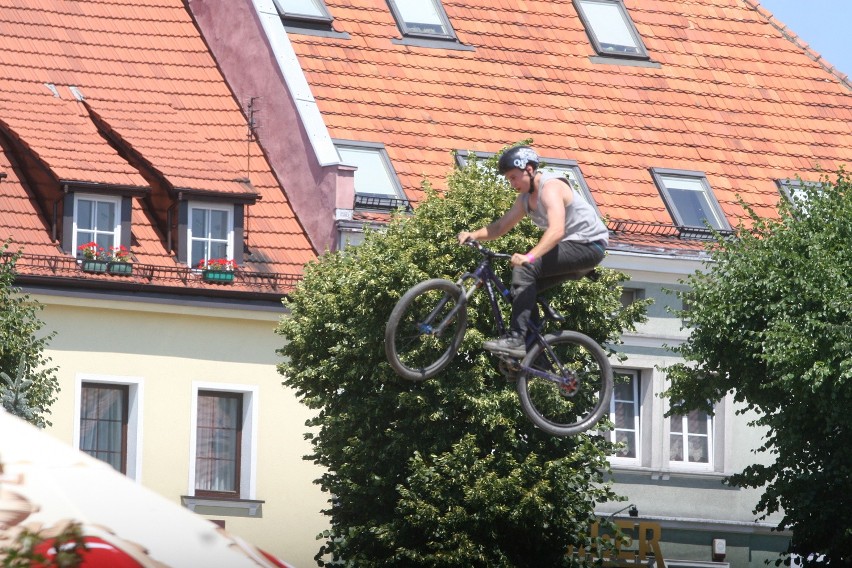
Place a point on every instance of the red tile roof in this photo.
(733, 95)
(73, 73)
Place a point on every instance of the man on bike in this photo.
(573, 242)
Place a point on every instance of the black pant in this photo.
(568, 260)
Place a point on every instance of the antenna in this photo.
(251, 134)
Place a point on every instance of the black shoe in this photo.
(512, 344)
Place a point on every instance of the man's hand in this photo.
(464, 236)
(518, 259)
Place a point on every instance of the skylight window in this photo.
(798, 192)
(569, 169)
(690, 200)
(422, 18)
(376, 184)
(610, 28)
(304, 11)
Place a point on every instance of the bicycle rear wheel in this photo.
(565, 389)
(425, 329)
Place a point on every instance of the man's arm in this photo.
(499, 227)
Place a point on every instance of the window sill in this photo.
(235, 507)
(667, 474)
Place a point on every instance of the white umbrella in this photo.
(46, 484)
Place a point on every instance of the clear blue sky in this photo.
(825, 25)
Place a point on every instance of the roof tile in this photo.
(145, 72)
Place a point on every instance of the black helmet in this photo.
(517, 157)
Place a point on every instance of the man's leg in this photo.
(565, 261)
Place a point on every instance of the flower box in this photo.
(93, 265)
(218, 276)
(120, 268)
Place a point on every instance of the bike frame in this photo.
(484, 275)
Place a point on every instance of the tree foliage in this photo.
(771, 322)
(447, 472)
(28, 385)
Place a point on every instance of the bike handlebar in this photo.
(484, 251)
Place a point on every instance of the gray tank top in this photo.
(582, 223)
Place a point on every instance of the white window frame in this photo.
(686, 464)
(190, 238)
(115, 232)
(592, 22)
(653, 439)
(636, 380)
(406, 29)
(248, 448)
(666, 179)
(135, 398)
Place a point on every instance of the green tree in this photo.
(447, 472)
(28, 386)
(771, 322)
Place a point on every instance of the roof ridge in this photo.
(799, 42)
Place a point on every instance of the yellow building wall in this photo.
(167, 346)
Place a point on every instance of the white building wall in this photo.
(167, 350)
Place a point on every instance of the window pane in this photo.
(697, 422)
(218, 224)
(218, 250)
(85, 214)
(676, 448)
(624, 413)
(372, 175)
(218, 430)
(629, 441)
(421, 16)
(698, 451)
(301, 7)
(609, 27)
(103, 423)
(199, 253)
(676, 424)
(105, 216)
(689, 198)
(199, 223)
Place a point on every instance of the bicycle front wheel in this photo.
(565, 388)
(425, 329)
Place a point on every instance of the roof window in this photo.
(798, 192)
(304, 13)
(690, 201)
(569, 169)
(422, 18)
(611, 29)
(376, 183)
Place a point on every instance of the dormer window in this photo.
(610, 29)
(422, 18)
(97, 219)
(210, 232)
(690, 201)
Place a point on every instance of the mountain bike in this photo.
(564, 381)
